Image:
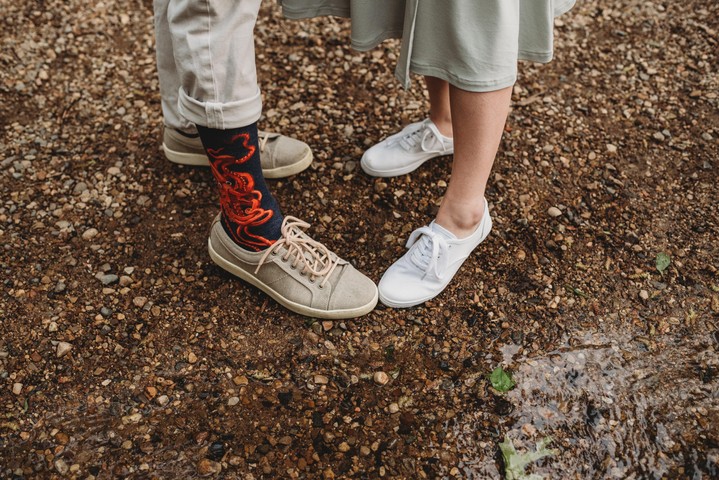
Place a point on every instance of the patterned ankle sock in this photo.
(250, 214)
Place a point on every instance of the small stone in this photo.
(644, 295)
(17, 388)
(63, 348)
(343, 447)
(163, 400)
(240, 380)
(60, 287)
(108, 278)
(139, 301)
(328, 474)
(151, 392)
(321, 380)
(521, 255)
(207, 467)
(233, 401)
(127, 444)
(611, 148)
(61, 466)
(658, 136)
(393, 408)
(381, 378)
(327, 325)
(365, 450)
(134, 418)
(554, 212)
(192, 358)
(52, 327)
(89, 234)
(125, 281)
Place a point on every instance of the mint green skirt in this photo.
(473, 44)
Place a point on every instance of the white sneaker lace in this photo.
(425, 132)
(316, 259)
(264, 137)
(430, 251)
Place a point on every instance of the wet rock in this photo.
(216, 451)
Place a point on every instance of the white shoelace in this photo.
(426, 131)
(264, 137)
(431, 251)
(316, 259)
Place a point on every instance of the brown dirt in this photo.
(620, 132)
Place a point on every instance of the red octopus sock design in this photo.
(250, 214)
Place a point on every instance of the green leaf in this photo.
(501, 380)
(663, 261)
(515, 463)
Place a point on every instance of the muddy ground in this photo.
(125, 353)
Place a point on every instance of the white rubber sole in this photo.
(288, 304)
(397, 171)
(197, 160)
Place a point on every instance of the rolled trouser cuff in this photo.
(222, 116)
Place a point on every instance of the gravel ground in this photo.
(125, 353)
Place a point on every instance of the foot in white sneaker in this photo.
(405, 151)
(434, 256)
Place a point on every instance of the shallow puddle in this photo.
(617, 407)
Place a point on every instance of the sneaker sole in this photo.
(197, 160)
(288, 304)
(397, 171)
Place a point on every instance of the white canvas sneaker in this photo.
(434, 256)
(405, 151)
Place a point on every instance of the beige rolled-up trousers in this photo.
(206, 63)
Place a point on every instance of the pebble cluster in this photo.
(124, 352)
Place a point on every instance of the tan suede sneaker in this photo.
(280, 156)
(299, 273)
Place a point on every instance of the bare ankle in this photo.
(443, 124)
(461, 219)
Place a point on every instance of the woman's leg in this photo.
(440, 111)
(478, 122)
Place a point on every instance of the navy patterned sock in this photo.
(250, 214)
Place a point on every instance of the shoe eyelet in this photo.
(321, 286)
